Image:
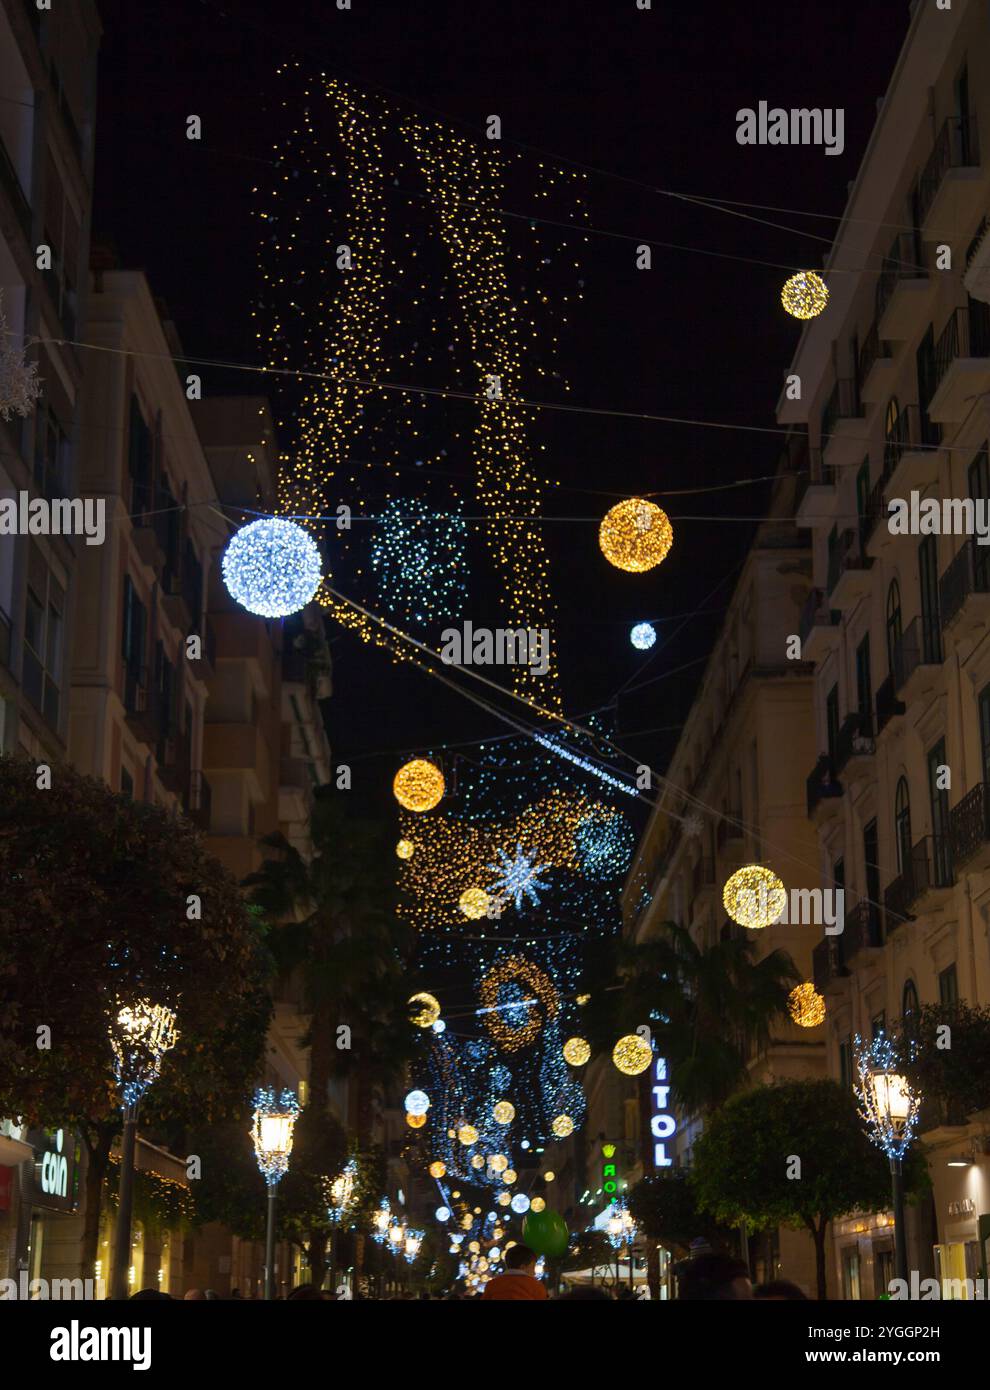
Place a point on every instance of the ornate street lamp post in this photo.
(890, 1109)
(274, 1120)
(140, 1035)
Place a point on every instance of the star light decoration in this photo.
(271, 567)
(635, 535)
(520, 876)
(804, 295)
(341, 1192)
(754, 896)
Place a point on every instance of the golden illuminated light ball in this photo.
(537, 1204)
(415, 1121)
(437, 1168)
(478, 1161)
(509, 1176)
(425, 1010)
(576, 1051)
(467, 1134)
(562, 1126)
(482, 1264)
(503, 1199)
(467, 1221)
(474, 1246)
(806, 1006)
(474, 903)
(754, 896)
(632, 1054)
(498, 1163)
(549, 1175)
(404, 849)
(477, 1211)
(804, 295)
(635, 535)
(418, 785)
(503, 1112)
(582, 998)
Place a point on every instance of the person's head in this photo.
(521, 1259)
(780, 1290)
(149, 1295)
(307, 1291)
(193, 1295)
(712, 1278)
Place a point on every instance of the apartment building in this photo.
(894, 380)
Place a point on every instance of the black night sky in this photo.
(646, 100)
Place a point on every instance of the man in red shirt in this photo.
(519, 1280)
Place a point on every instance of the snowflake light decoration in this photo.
(520, 877)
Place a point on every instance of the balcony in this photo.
(199, 801)
(818, 627)
(863, 931)
(231, 749)
(174, 763)
(702, 884)
(149, 535)
(950, 188)
(827, 964)
(823, 789)
(241, 636)
(141, 704)
(873, 524)
(910, 452)
(842, 430)
(816, 492)
(964, 592)
(918, 660)
(855, 747)
(295, 790)
(874, 369)
(976, 280)
(888, 705)
(903, 290)
(11, 185)
(962, 364)
(970, 830)
(848, 571)
(924, 882)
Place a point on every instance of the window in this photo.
(931, 635)
(984, 703)
(863, 491)
(62, 232)
(839, 873)
(941, 845)
(864, 687)
(139, 460)
(902, 825)
(871, 863)
(134, 628)
(909, 1001)
(948, 987)
(850, 1273)
(50, 455)
(893, 625)
(832, 719)
(43, 638)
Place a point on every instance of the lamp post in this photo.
(140, 1035)
(890, 1109)
(274, 1120)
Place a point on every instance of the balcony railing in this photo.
(967, 573)
(919, 645)
(967, 334)
(827, 962)
(199, 801)
(888, 705)
(843, 404)
(815, 612)
(911, 431)
(902, 262)
(876, 508)
(956, 146)
(822, 782)
(873, 350)
(848, 554)
(970, 823)
(856, 738)
(930, 866)
(863, 929)
(14, 191)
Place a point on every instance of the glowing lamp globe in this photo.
(503, 1199)
(498, 1163)
(520, 1203)
(576, 1051)
(474, 903)
(442, 1213)
(424, 1010)
(537, 1204)
(806, 1006)
(468, 1135)
(635, 535)
(509, 1176)
(437, 1168)
(754, 896)
(418, 785)
(271, 567)
(632, 1054)
(404, 849)
(562, 1126)
(804, 295)
(415, 1121)
(417, 1103)
(643, 636)
(549, 1175)
(503, 1112)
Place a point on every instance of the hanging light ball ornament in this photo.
(537, 1204)
(503, 1112)
(424, 1010)
(437, 1168)
(632, 1054)
(272, 567)
(418, 785)
(520, 1203)
(417, 1103)
(468, 1135)
(754, 896)
(635, 535)
(478, 1161)
(643, 636)
(509, 1176)
(404, 849)
(474, 903)
(503, 1199)
(415, 1121)
(806, 1006)
(498, 1163)
(804, 295)
(562, 1126)
(576, 1051)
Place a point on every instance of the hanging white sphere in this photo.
(643, 636)
(417, 1103)
(520, 1203)
(442, 1213)
(272, 567)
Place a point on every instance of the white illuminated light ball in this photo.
(417, 1103)
(643, 636)
(442, 1213)
(439, 1026)
(272, 567)
(520, 1202)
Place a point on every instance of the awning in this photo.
(14, 1151)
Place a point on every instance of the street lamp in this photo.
(140, 1035)
(890, 1109)
(274, 1120)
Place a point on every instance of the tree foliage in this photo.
(950, 1065)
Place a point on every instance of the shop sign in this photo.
(55, 1169)
(662, 1122)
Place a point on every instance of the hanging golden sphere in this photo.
(537, 1204)
(437, 1168)
(576, 1051)
(806, 1006)
(467, 1221)
(635, 535)
(632, 1054)
(562, 1126)
(503, 1199)
(418, 785)
(425, 1010)
(498, 1163)
(415, 1121)
(754, 896)
(467, 1134)
(503, 1112)
(509, 1175)
(804, 295)
(549, 1175)
(477, 1161)
(474, 903)
(404, 849)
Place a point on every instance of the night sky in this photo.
(643, 102)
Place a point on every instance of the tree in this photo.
(793, 1154)
(666, 1210)
(108, 901)
(950, 1061)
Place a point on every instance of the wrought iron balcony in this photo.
(957, 146)
(874, 349)
(888, 705)
(856, 739)
(930, 867)
(920, 644)
(827, 963)
(822, 783)
(863, 930)
(911, 432)
(815, 612)
(967, 573)
(966, 334)
(902, 262)
(12, 186)
(848, 557)
(729, 828)
(970, 823)
(843, 404)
